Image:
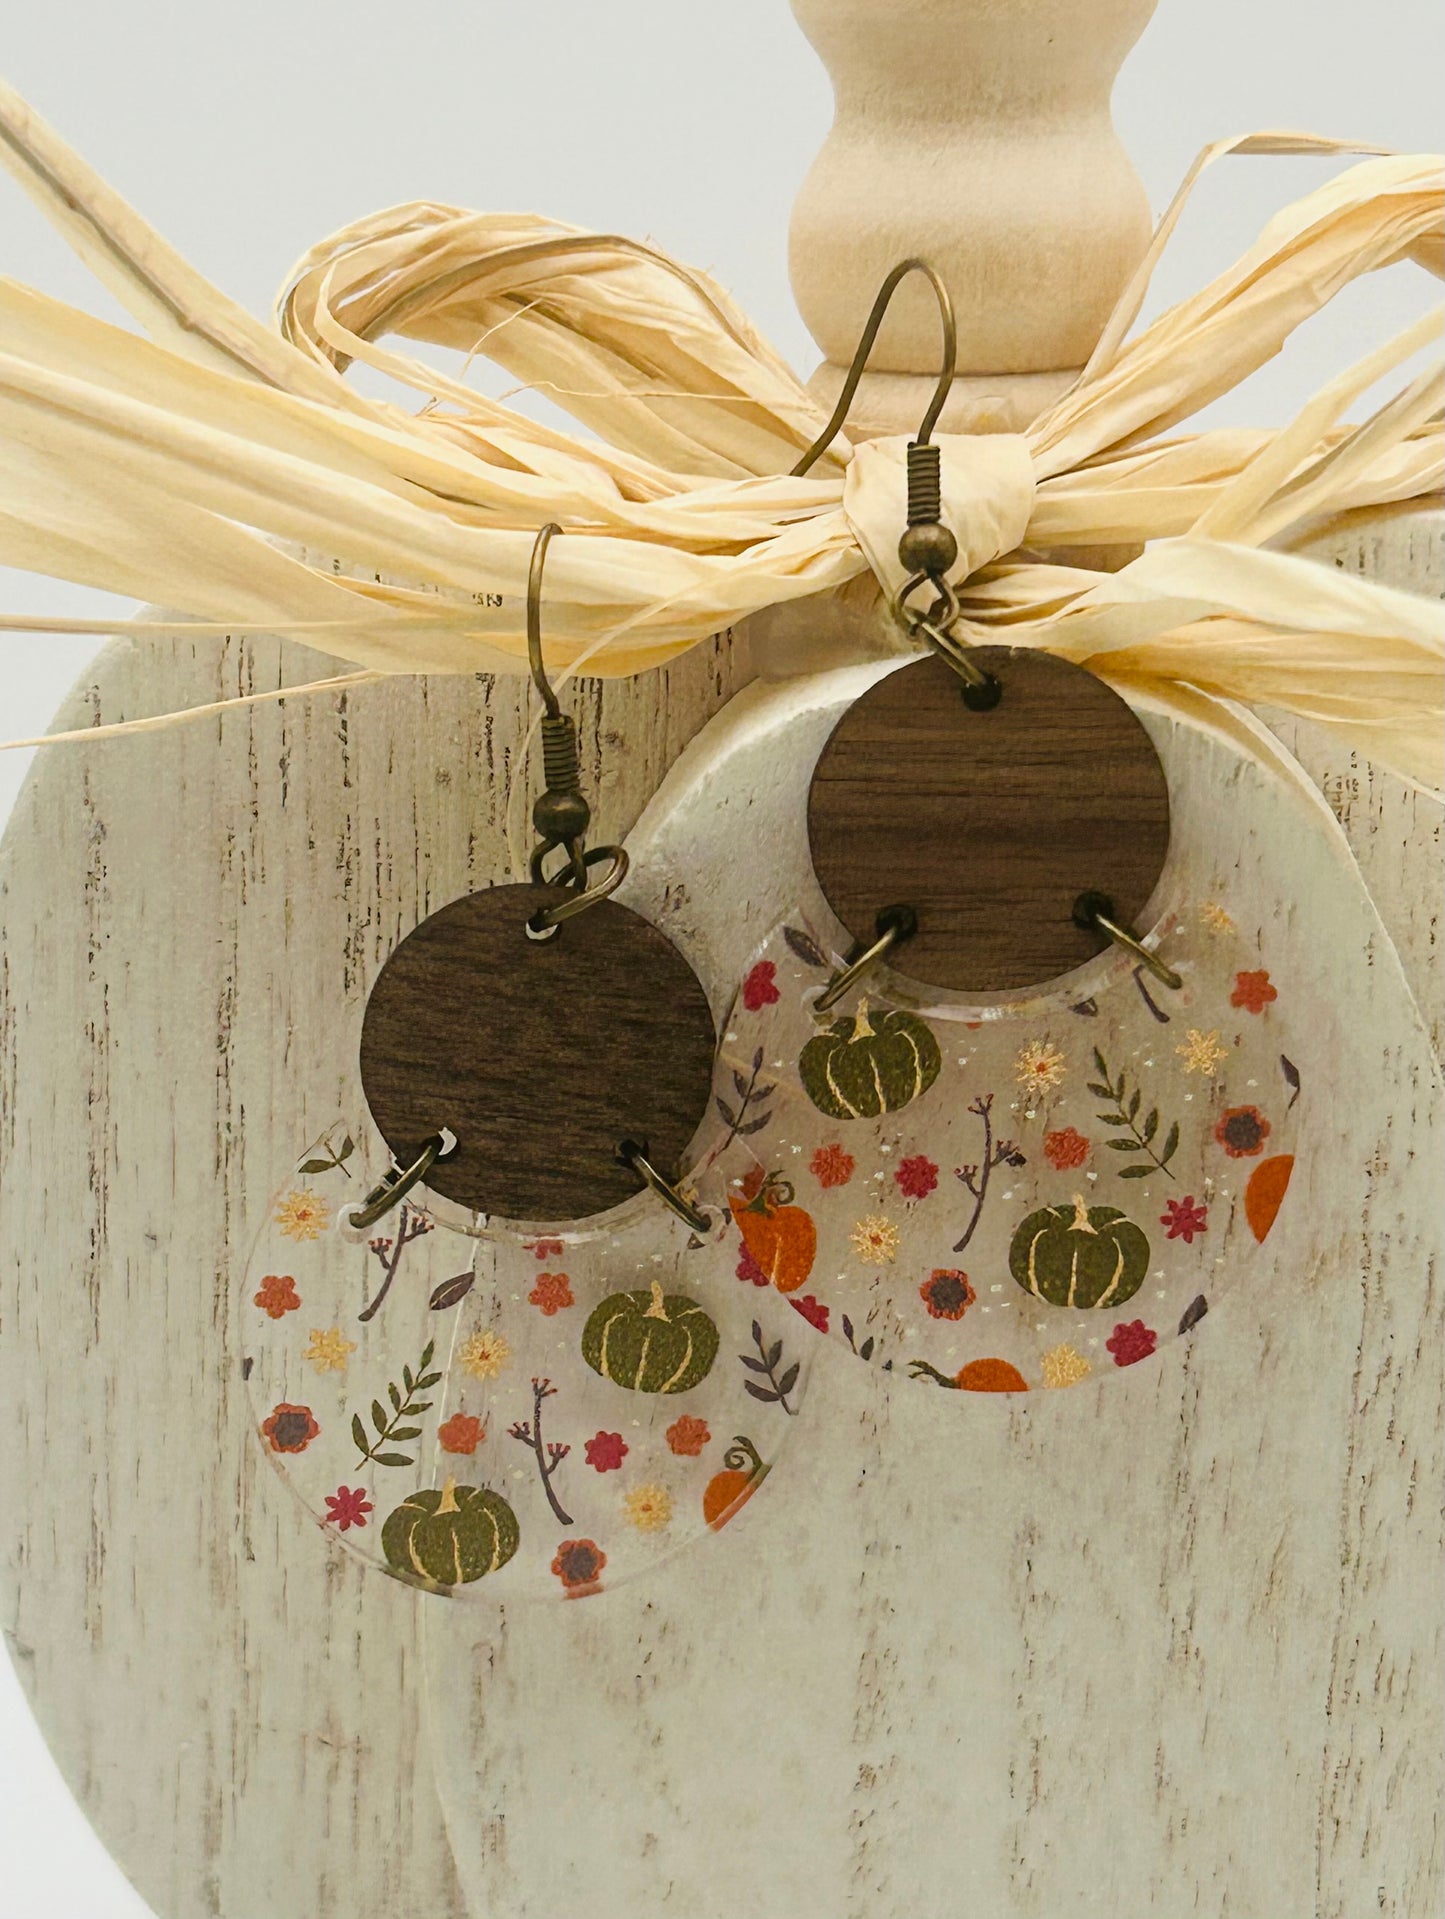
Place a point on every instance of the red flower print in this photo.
(290, 1429)
(605, 1452)
(1131, 1341)
(831, 1166)
(1065, 1149)
(552, 1292)
(1242, 1132)
(1184, 1219)
(544, 1248)
(916, 1177)
(947, 1295)
(813, 1310)
(687, 1436)
(759, 989)
(750, 1271)
(347, 1507)
(578, 1565)
(278, 1295)
(462, 1433)
(1252, 991)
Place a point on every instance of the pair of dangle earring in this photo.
(963, 1115)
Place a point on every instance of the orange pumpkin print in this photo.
(978, 1376)
(780, 1236)
(726, 1493)
(1264, 1195)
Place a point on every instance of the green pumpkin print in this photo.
(1079, 1255)
(863, 1066)
(451, 1536)
(650, 1343)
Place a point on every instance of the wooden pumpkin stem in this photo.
(449, 1499)
(1080, 1222)
(658, 1308)
(862, 1027)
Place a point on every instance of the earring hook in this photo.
(534, 618)
(861, 352)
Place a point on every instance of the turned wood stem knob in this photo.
(977, 134)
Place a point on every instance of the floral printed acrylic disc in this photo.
(501, 1412)
(1021, 1194)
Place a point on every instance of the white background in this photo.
(245, 133)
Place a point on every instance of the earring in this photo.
(513, 1356)
(1012, 1139)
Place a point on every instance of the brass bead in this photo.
(929, 548)
(561, 817)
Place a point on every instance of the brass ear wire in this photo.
(865, 346)
(928, 548)
(561, 814)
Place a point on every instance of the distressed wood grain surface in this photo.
(1178, 1659)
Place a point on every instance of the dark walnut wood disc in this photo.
(541, 1056)
(989, 824)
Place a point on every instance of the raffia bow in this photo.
(199, 468)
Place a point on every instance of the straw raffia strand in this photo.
(194, 467)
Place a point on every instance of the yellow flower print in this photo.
(303, 1214)
(329, 1349)
(1213, 915)
(485, 1355)
(875, 1239)
(1064, 1366)
(1201, 1052)
(648, 1508)
(1039, 1068)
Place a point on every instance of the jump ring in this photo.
(633, 1154)
(1095, 912)
(894, 925)
(396, 1184)
(545, 922)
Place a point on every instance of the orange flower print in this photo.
(687, 1436)
(578, 1565)
(947, 1295)
(1242, 1132)
(831, 1166)
(543, 1248)
(462, 1433)
(1066, 1149)
(278, 1295)
(290, 1429)
(552, 1293)
(303, 1215)
(1252, 991)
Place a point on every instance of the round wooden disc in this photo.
(989, 824)
(541, 1056)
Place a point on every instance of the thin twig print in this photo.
(405, 1405)
(1144, 994)
(775, 1393)
(409, 1226)
(549, 1456)
(975, 1179)
(325, 1156)
(751, 1090)
(1134, 1138)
